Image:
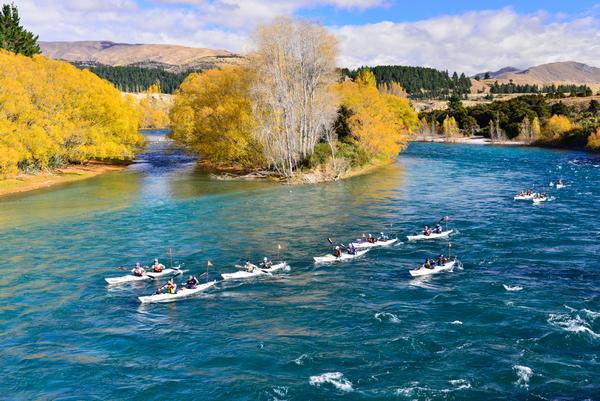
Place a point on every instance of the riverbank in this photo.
(31, 182)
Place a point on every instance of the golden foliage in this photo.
(555, 127)
(593, 141)
(212, 115)
(154, 88)
(379, 123)
(450, 127)
(154, 112)
(52, 113)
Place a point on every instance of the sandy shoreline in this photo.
(26, 183)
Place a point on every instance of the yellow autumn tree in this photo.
(593, 141)
(154, 111)
(212, 115)
(154, 88)
(555, 127)
(450, 127)
(379, 123)
(52, 113)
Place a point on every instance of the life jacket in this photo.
(338, 252)
(172, 289)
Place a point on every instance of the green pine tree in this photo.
(13, 37)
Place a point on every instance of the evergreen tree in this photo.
(13, 37)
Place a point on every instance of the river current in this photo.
(519, 320)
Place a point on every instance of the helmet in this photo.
(137, 264)
(265, 259)
(155, 260)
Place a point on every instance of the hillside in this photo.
(167, 57)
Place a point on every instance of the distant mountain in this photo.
(560, 72)
(167, 57)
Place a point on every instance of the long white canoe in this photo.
(422, 271)
(182, 292)
(130, 278)
(345, 256)
(418, 237)
(258, 271)
(365, 244)
(524, 197)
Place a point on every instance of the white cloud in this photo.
(470, 42)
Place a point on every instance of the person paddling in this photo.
(351, 249)
(338, 251)
(437, 229)
(249, 266)
(427, 231)
(192, 282)
(266, 263)
(371, 239)
(138, 270)
(157, 267)
(427, 264)
(171, 287)
(441, 260)
(382, 237)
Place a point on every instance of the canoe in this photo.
(181, 293)
(130, 278)
(345, 256)
(242, 274)
(443, 234)
(524, 197)
(364, 244)
(437, 269)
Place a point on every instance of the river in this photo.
(520, 320)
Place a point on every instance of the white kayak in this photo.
(258, 271)
(182, 292)
(345, 256)
(422, 271)
(130, 278)
(443, 234)
(361, 244)
(524, 197)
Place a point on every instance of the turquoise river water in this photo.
(520, 320)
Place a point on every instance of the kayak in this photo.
(242, 274)
(559, 186)
(421, 271)
(130, 278)
(361, 244)
(345, 256)
(524, 197)
(181, 293)
(443, 234)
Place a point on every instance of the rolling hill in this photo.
(167, 57)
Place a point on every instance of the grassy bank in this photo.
(27, 182)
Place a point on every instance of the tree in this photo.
(555, 127)
(594, 106)
(450, 128)
(52, 113)
(593, 141)
(293, 102)
(455, 104)
(212, 116)
(487, 75)
(13, 37)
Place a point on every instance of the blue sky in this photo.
(465, 36)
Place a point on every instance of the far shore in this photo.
(31, 182)
(473, 140)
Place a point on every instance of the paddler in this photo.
(138, 270)
(427, 231)
(249, 266)
(171, 287)
(441, 260)
(351, 249)
(266, 263)
(427, 264)
(192, 282)
(338, 251)
(382, 237)
(437, 229)
(371, 239)
(157, 267)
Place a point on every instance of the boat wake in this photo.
(300, 359)
(386, 316)
(523, 373)
(513, 288)
(334, 378)
(460, 384)
(456, 322)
